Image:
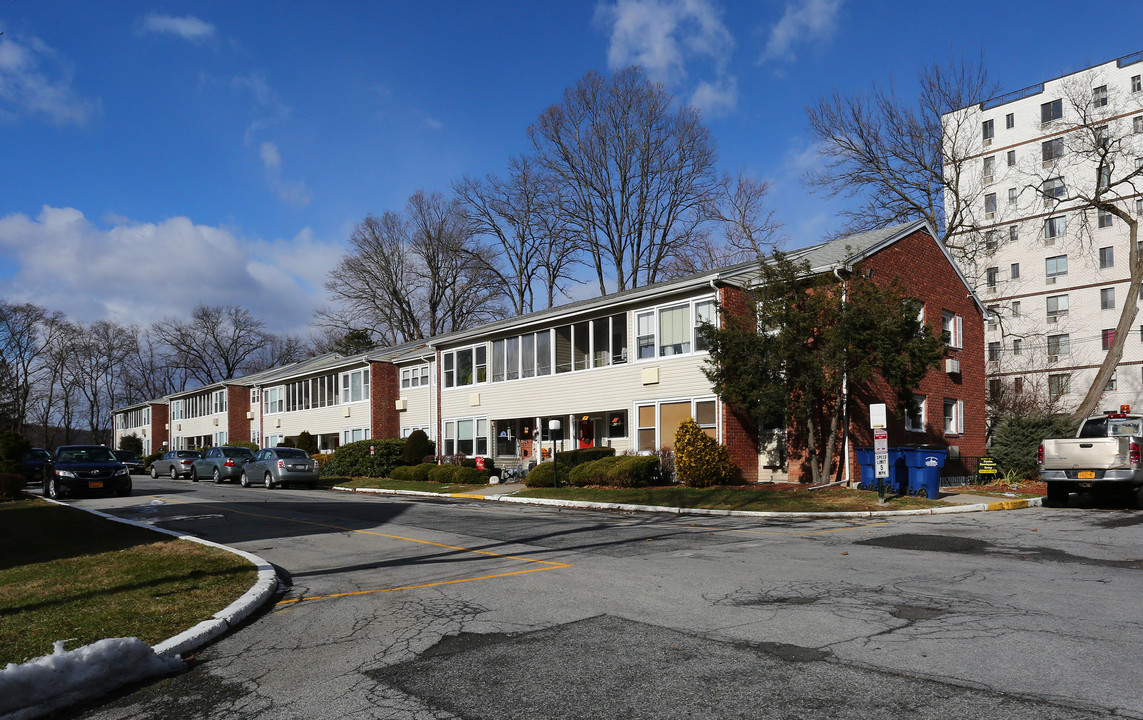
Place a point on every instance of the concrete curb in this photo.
(196, 637)
(582, 505)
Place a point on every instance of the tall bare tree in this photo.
(900, 158)
(216, 343)
(411, 275)
(525, 239)
(26, 332)
(636, 173)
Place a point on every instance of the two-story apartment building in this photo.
(1053, 273)
(622, 370)
(146, 421)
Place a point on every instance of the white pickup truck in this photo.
(1104, 455)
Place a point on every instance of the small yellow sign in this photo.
(987, 466)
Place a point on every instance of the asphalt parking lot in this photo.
(401, 608)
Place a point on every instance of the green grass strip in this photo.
(756, 498)
(387, 484)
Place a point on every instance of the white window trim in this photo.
(957, 419)
(452, 352)
(656, 356)
(450, 434)
(922, 403)
(633, 426)
(347, 434)
(345, 386)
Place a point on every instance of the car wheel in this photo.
(269, 481)
(243, 480)
(154, 473)
(1139, 497)
(194, 474)
(53, 489)
(1057, 495)
(312, 486)
(124, 489)
(174, 473)
(217, 477)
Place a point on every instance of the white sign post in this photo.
(880, 447)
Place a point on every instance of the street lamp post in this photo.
(554, 427)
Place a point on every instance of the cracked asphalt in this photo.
(410, 608)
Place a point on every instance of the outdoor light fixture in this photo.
(554, 427)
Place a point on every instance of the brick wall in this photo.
(160, 434)
(739, 434)
(385, 390)
(237, 405)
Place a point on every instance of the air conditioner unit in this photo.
(1050, 281)
(954, 452)
(249, 415)
(989, 216)
(987, 179)
(988, 142)
(1052, 319)
(216, 421)
(402, 405)
(994, 366)
(1053, 358)
(1049, 241)
(952, 366)
(991, 289)
(345, 412)
(277, 422)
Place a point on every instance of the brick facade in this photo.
(385, 390)
(237, 405)
(160, 432)
(739, 433)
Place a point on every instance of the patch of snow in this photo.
(67, 677)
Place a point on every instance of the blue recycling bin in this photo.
(898, 480)
(924, 469)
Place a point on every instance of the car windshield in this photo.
(291, 453)
(81, 455)
(237, 452)
(37, 455)
(189, 453)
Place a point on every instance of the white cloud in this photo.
(670, 40)
(804, 21)
(432, 123)
(291, 192)
(135, 272)
(187, 27)
(269, 110)
(35, 81)
(271, 158)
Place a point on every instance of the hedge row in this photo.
(625, 472)
(431, 472)
(354, 459)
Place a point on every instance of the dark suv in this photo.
(73, 469)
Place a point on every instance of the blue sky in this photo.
(156, 155)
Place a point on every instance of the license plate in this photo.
(1086, 475)
(95, 484)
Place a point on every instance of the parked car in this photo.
(175, 463)
(221, 463)
(34, 464)
(73, 469)
(280, 466)
(130, 460)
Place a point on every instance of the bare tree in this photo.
(96, 362)
(26, 331)
(526, 240)
(411, 275)
(280, 350)
(215, 344)
(636, 173)
(1094, 171)
(150, 368)
(905, 159)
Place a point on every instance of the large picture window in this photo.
(467, 366)
(467, 436)
(657, 423)
(355, 386)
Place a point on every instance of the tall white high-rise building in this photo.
(1053, 270)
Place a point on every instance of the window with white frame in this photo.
(1112, 382)
(1060, 344)
(466, 366)
(952, 329)
(954, 416)
(987, 130)
(1106, 257)
(1137, 123)
(1056, 266)
(656, 423)
(218, 401)
(1107, 299)
(1136, 83)
(992, 275)
(1009, 121)
(990, 204)
(355, 385)
(255, 436)
(1013, 196)
(1054, 188)
(466, 436)
(417, 376)
(253, 397)
(672, 329)
(1013, 233)
(408, 430)
(1055, 227)
(915, 416)
(1104, 218)
(1011, 158)
(1099, 96)
(1057, 305)
(1052, 110)
(357, 434)
(1014, 270)
(989, 168)
(273, 400)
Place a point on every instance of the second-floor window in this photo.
(355, 385)
(1056, 266)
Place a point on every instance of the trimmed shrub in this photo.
(131, 443)
(699, 460)
(571, 458)
(244, 444)
(1017, 437)
(470, 476)
(11, 486)
(401, 472)
(542, 474)
(151, 458)
(417, 446)
(468, 462)
(634, 471)
(13, 447)
(420, 473)
(307, 442)
(595, 472)
(443, 473)
(354, 460)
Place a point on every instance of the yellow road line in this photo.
(415, 587)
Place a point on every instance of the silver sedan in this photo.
(280, 466)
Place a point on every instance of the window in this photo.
(1011, 158)
(992, 315)
(1106, 257)
(671, 330)
(952, 329)
(674, 330)
(1013, 233)
(1016, 308)
(989, 168)
(1139, 208)
(410, 378)
(1013, 196)
(658, 422)
(273, 400)
(645, 334)
(1059, 385)
(1015, 270)
(1136, 83)
(1112, 382)
(1099, 96)
(1107, 299)
(1009, 121)
(1059, 344)
(449, 370)
(527, 355)
(1055, 227)
(619, 339)
(954, 416)
(1104, 222)
(994, 389)
(704, 313)
(1057, 305)
(990, 240)
(512, 358)
(355, 385)
(253, 396)
(987, 131)
(1052, 149)
(915, 416)
(1137, 124)
(1017, 346)
(1104, 179)
(1050, 111)
(1018, 385)
(544, 353)
(994, 351)
(1101, 136)
(464, 367)
(581, 345)
(990, 204)
(1054, 188)
(1056, 266)
(350, 435)
(1108, 337)
(991, 275)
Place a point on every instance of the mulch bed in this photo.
(1023, 487)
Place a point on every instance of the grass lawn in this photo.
(755, 497)
(387, 484)
(69, 575)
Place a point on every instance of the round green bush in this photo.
(354, 460)
(470, 476)
(417, 446)
(420, 473)
(634, 471)
(443, 473)
(595, 472)
(541, 475)
(401, 472)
